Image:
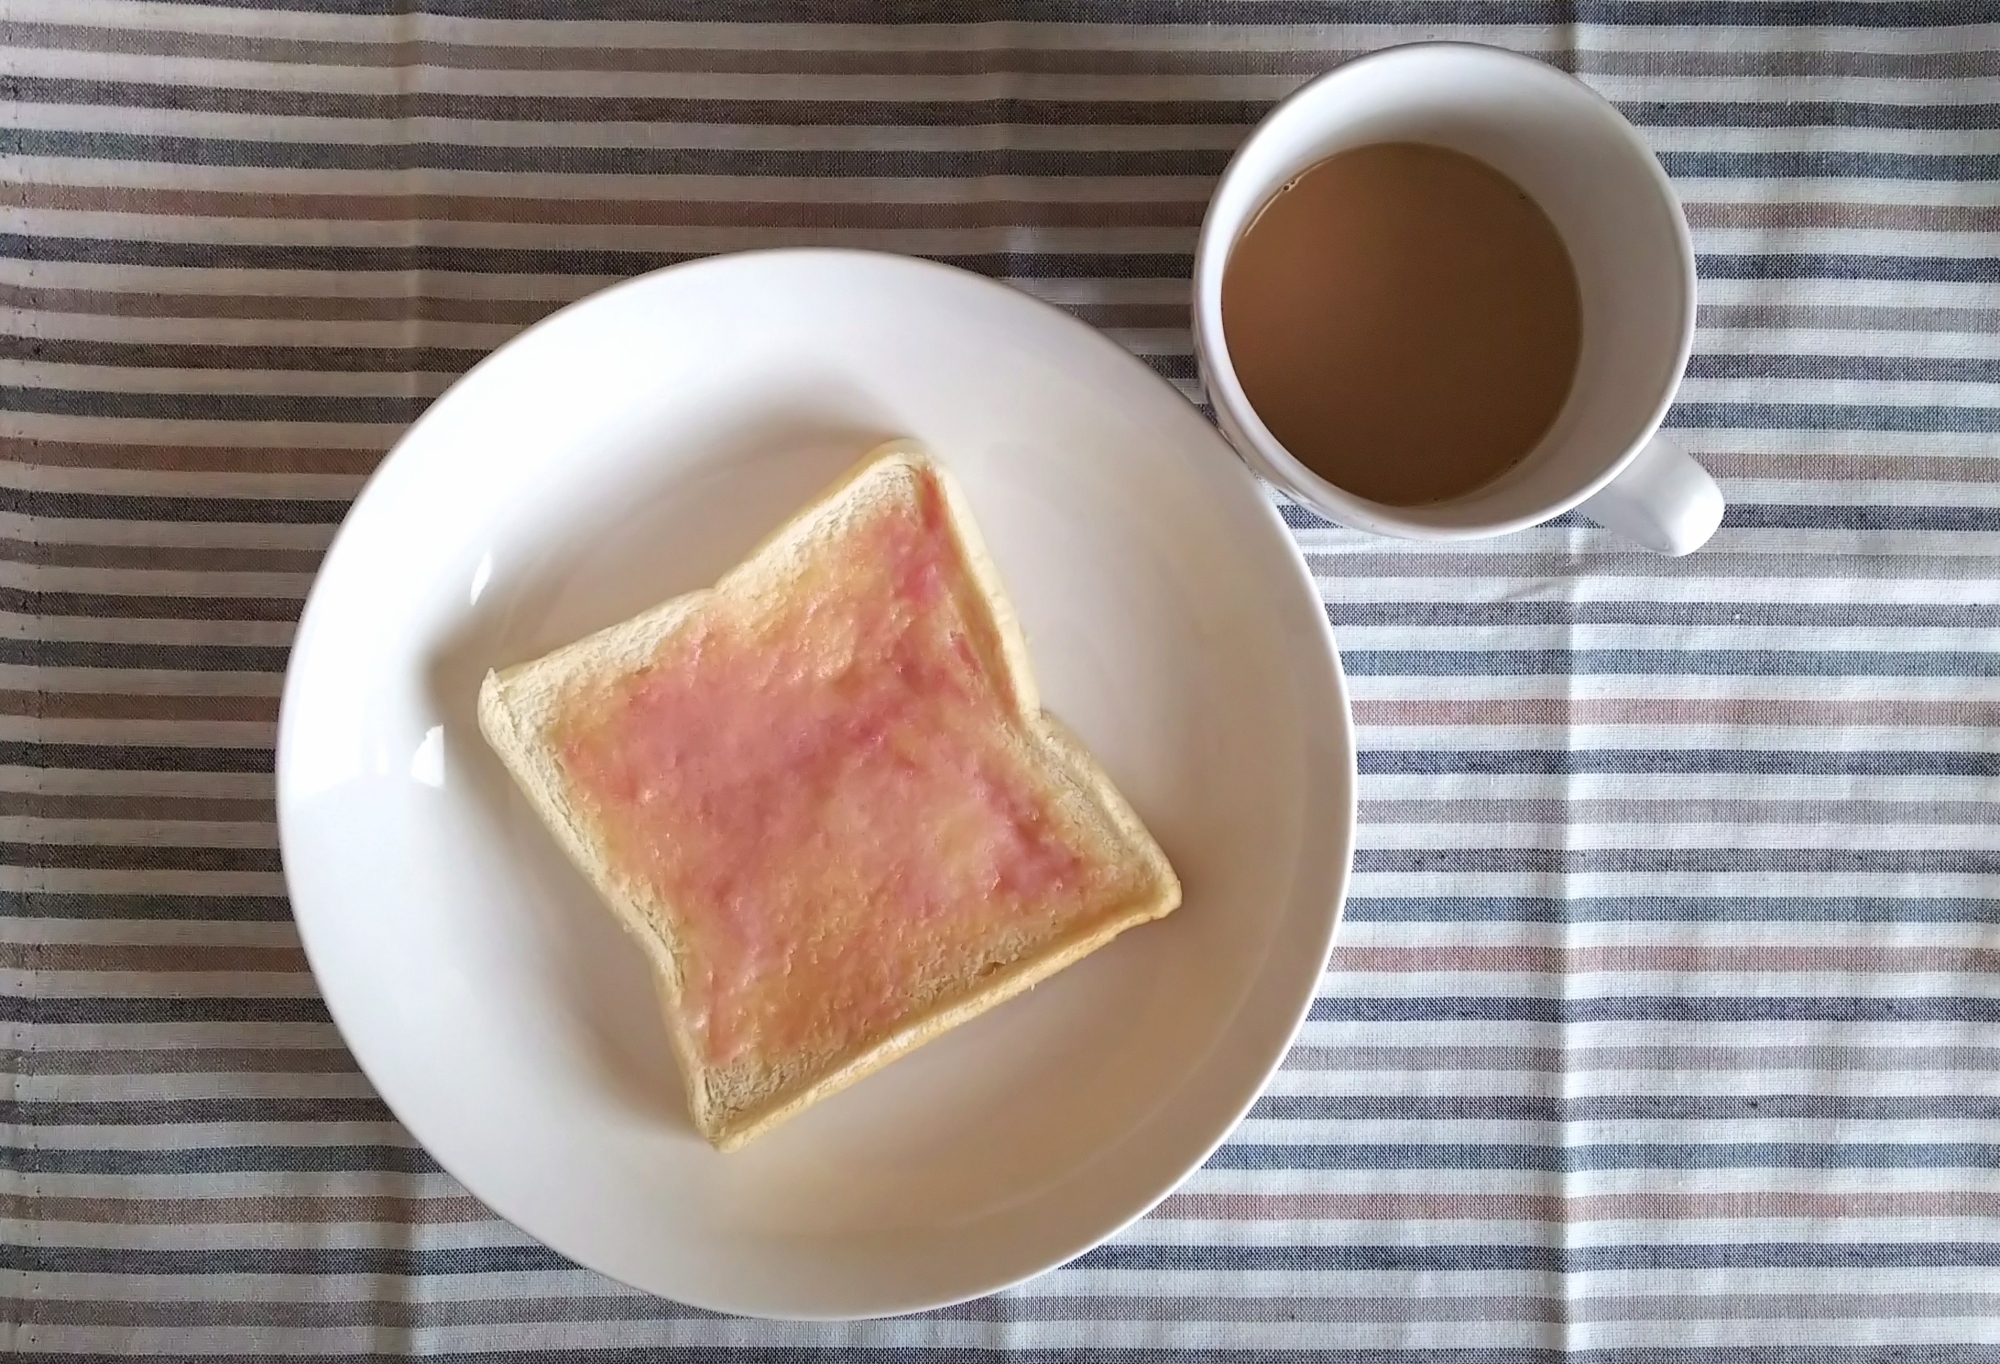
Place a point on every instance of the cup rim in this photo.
(1225, 391)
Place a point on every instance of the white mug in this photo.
(1599, 184)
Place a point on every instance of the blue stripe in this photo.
(1627, 1107)
(528, 260)
(282, 1260)
(1808, 762)
(173, 149)
(1451, 1259)
(1831, 417)
(297, 511)
(1787, 113)
(1667, 861)
(1051, 108)
(1798, 615)
(1483, 1259)
(153, 1112)
(1654, 1008)
(20, 904)
(1297, 1107)
(1682, 1008)
(1894, 369)
(374, 1158)
(141, 856)
(136, 757)
(1772, 516)
(270, 407)
(1671, 909)
(1828, 662)
(83, 653)
(150, 1009)
(1982, 269)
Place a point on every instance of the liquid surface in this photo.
(1405, 319)
(830, 792)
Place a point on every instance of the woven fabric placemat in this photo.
(1663, 1022)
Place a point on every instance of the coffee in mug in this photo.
(1405, 319)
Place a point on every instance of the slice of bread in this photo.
(824, 798)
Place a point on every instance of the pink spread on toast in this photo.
(830, 790)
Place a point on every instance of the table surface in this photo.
(1664, 1017)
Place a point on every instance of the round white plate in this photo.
(633, 447)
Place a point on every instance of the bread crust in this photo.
(517, 705)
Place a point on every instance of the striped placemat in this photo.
(1665, 1019)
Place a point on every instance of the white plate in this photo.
(634, 446)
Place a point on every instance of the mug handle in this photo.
(1663, 500)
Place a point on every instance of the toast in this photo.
(824, 798)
